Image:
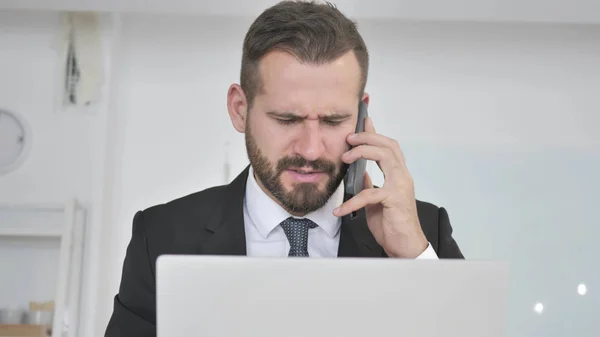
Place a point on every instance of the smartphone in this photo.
(356, 172)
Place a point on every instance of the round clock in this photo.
(14, 141)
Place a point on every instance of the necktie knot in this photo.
(296, 231)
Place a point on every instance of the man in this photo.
(304, 70)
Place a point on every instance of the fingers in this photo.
(384, 157)
(370, 137)
(368, 152)
(370, 196)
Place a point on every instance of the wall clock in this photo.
(15, 140)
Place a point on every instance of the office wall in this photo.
(497, 121)
(66, 159)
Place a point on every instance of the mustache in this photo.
(317, 165)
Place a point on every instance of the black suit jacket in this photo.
(211, 222)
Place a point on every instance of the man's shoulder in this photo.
(427, 207)
(197, 201)
(428, 215)
(178, 226)
(185, 212)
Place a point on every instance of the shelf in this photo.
(31, 232)
(65, 222)
(41, 220)
(54, 208)
(24, 330)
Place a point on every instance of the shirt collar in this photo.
(266, 214)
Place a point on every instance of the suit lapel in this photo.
(356, 239)
(226, 225)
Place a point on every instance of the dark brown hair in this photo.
(315, 33)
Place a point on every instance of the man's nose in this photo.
(310, 143)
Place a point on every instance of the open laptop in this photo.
(226, 296)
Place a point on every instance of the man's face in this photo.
(296, 130)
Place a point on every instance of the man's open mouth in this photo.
(303, 171)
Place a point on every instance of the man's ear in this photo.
(237, 106)
(366, 98)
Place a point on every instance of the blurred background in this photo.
(109, 107)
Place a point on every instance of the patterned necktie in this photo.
(296, 231)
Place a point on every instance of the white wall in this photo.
(29, 63)
(497, 122)
(66, 159)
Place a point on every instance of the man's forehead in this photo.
(278, 66)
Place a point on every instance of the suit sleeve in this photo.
(134, 313)
(447, 246)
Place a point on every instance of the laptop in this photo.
(236, 296)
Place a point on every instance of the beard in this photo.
(304, 197)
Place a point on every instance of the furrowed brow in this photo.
(287, 115)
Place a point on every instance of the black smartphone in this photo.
(356, 172)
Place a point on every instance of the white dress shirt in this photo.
(265, 238)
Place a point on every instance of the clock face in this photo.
(13, 141)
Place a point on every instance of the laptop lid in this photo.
(222, 296)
